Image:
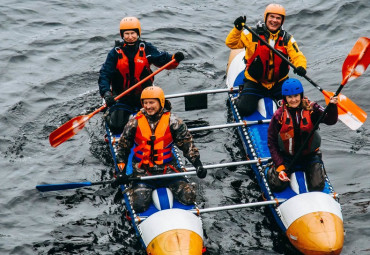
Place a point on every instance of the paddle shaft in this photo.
(244, 123)
(240, 206)
(64, 186)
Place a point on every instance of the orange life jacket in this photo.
(153, 149)
(286, 138)
(258, 65)
(141, 63)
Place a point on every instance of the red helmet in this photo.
(129, 23)
(275, 8)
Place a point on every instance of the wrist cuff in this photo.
(108, 93)
(121, 166)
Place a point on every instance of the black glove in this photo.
(121, 179)
(300, 71)
(109, 99)
(201, 171)
(178, 56)
(240, 22)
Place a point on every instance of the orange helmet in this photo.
(275, 8)
(129, 23)
(153, 92)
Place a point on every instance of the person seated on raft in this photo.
(126, 64)
(290, 126)
(155, 130)
(265, 71)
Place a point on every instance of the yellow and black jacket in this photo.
(262, 65)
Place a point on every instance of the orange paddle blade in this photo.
(357, 60)
(348, 112)
(67, 130)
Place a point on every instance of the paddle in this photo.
(351, 114)
(73, 126)
(64, 186)
(191, 171)
(355, 64)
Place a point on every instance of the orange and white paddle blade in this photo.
(67, 130)
(357, 60)
(348, 112)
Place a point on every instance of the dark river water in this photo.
(51, 54)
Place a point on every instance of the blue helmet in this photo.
(291, 86)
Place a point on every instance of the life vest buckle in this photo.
(151, 141)
(287, 121)
(304, 121)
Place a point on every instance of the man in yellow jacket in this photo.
(265, 71)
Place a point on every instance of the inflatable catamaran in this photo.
(312, 221)
(167, 226)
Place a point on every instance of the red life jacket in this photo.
(153, 149)
(258, 65)
(141, 63)
(287, 139)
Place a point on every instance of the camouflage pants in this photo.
(141, 192)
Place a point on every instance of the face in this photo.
(274, 21)
(151, 106)
(130, 36)
(294, 100)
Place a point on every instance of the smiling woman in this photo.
(294, 101)
(290, 125)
